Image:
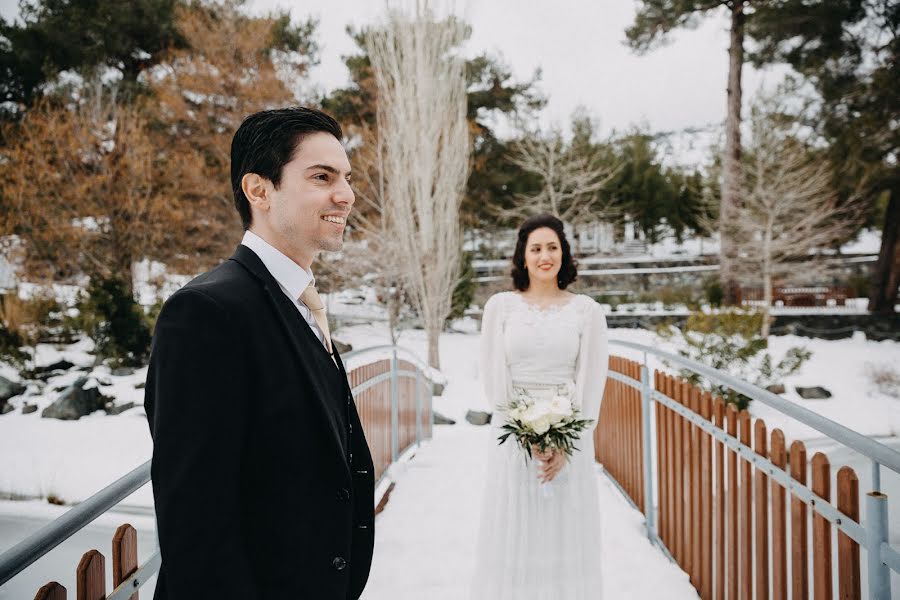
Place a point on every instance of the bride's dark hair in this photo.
(568, 270)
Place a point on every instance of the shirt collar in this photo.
(291, 276)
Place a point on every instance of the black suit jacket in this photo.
(260, 492)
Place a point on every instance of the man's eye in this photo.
(321, 176)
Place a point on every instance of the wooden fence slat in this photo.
(51, 591)
(641, 441)
(696, 565)
(679, 481)
(761, 502)
(821, 486)
(670, 471)
(779, 521)
(124, 555)
(706, 495)
(849, 587)
(90, 577)
(687, 480)
(746, 511)
(799, 528)
(639, 437)
(721, 541)
(733, 573)
(660, 461)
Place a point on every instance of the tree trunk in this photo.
(731, 162)
(767, 281)
(767, 302)
(886, 276)
(434, 353)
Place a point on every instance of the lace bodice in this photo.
(541, 344)
(522, 343)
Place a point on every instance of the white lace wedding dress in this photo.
(536, 542)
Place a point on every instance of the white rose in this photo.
(560, 408)
(541, 425)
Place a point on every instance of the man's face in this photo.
(308, 211)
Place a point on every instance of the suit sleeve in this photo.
(197, 398)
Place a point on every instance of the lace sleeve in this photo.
(492, 363)
(593, 361)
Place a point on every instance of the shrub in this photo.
(26, 322)
(885, 378)
(729, 341)
(859, 284)
(713, 291)
(464, 292)
(109, 314)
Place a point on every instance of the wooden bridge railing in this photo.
(394, 399)
(728, 490)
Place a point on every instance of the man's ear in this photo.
(257, 190)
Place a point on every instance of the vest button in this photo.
(339, 563)
(343, 494)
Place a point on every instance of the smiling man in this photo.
(262, 478)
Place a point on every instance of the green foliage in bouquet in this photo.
(557, 434)
(729, 340)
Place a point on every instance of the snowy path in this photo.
(425, 538)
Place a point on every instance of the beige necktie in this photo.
(311, 299)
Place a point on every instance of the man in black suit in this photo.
(262, 478)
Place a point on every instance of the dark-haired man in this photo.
(262, 477)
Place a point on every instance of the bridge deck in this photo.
(425, 538)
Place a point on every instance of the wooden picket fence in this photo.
(90, 576)
(374, 407)
(720, 517)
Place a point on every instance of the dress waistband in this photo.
(559, 388)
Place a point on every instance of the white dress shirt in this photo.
(291, 277)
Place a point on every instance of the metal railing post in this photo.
(648, 479)
(395, 409)
(877, 534)
(418, 406)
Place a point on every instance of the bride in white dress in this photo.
(541, 521)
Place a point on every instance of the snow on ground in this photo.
(425, 538)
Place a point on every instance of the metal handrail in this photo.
(878, 452)
(26, 552)
(31, 549)
(407, 355)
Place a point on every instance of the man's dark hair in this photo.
(266, 141)
(568, 270)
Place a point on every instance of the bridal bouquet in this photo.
(547, 423)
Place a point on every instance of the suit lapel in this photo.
(294, 327)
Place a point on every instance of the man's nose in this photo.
(344, 194)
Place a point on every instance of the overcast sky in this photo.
(578, 44)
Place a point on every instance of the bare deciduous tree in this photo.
(571, 181)
(425, 140)
(788, 213)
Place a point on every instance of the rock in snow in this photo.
(78, 400)
(813, 393)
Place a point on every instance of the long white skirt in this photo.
(538, 541)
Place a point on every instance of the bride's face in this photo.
(543, 255)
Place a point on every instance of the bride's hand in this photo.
(551, 466)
